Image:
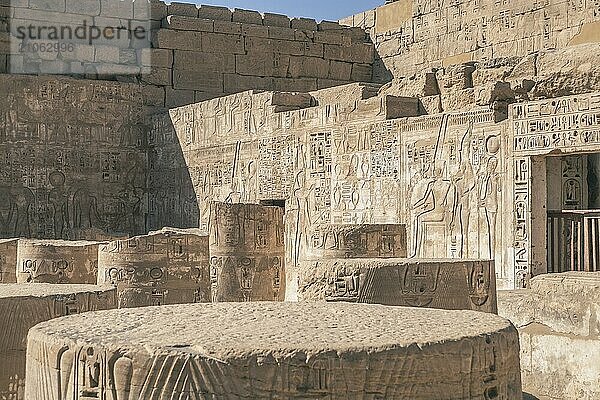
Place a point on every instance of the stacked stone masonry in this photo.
(196, 52)
(416, 35)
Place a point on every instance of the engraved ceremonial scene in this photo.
(203, 202)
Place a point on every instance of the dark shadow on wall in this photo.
(527, 396)
(381, 74)
(171, 196)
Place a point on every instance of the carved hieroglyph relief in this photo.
(569, 125)
(246, 253)
(57, 261)
(165, 267)
(72, 164)
(441, 175)
(289, 351)
(454, 182)
(445, 284)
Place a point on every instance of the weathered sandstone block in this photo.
(8, 260)
(23, 306)
(57, 261)
(246, 252)
(558, 323)
(164, 267)
(446, 284)
(277, 351)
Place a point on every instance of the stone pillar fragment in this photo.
(8, 260)
(57, 261)
(444, 284)
(170, 266)
(267, 350)
(246, 252)
(23, 306)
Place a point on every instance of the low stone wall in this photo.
(559, 328)
(23, 306)
(445, 284)
(276, 350)
(170, 266)
(57, 261)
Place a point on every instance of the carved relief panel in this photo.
(446, 284)
(165, 267)
(247, 253)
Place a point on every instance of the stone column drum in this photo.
(165, 267)
(23, 306)
(57, 261)
(8, 260)
(275, 350)
(246, 252)
(446, 284)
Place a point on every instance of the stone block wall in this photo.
(197, 52)
(413, 35)
(210, 51)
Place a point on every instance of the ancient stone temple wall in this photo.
(78, 161)
(73, 163)
(355, 163)
(415, 35)
(196, 52)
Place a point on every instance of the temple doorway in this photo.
(573, 213)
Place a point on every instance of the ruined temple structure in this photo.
(423, 154)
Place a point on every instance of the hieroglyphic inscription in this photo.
(71, 174)
(447, 284)
(165, 267)
(247, 252)
(276, 166)
(57, 261)
(561, 123)
(521, 219)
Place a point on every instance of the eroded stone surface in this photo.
(170, 266)
(558, 323)
(246, 252)
(8, 260)
(57, 261)
(446, 284)
(356, 241)
(276, 350)
(23, 306)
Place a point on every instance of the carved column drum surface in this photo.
(57, 261)
(170, 266)
(274, 350)
(444, 284)
(8, 260)
(23, 306)
(246, 252)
